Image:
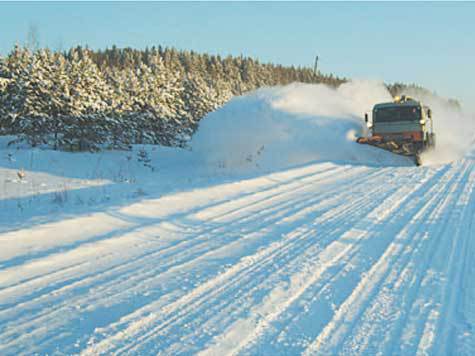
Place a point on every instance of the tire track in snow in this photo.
(297, 264)
(233, 345)
(272, 210)
(274, 281)
(331, 339)
(464, 337)
(273, 187)
(425, 302)
(255, 265)
(247, 285)
(68, 288)
(383, 320)
(450, 320)
(302, 320)
(292, 191)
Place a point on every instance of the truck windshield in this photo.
(400, 113)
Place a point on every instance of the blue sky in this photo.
(432, 44)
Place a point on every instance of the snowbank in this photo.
(284, 126)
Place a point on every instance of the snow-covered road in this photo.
(319, 259)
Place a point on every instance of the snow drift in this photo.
(284, 126)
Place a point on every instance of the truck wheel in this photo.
(418, 159)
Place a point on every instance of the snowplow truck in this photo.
(403, 126)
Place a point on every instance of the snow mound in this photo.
(291, 125)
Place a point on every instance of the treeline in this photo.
(85, 100)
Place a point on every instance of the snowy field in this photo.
(275, 234)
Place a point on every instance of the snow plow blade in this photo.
(408, 149)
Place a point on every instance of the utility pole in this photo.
(32, 38)
(315, 68)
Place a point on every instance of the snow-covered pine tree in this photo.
(233, 75)
(61, 107)
(27, 95)
(16, 68)
(91, 97)
(199, 98)
(36, 112)
(164, 102)
(4, 75)
(4, 80)
(135, 126)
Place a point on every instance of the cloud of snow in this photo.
(284, 126)
(454, 128)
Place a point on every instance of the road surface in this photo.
(319, 259)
